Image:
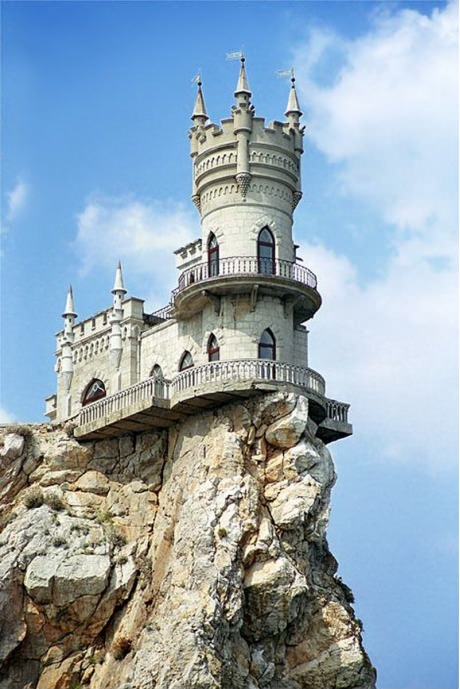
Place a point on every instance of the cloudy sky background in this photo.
(97, 100)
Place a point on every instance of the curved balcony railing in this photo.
(120, 401)
(337, 411)
(246, 265)
(197, 379)
(240, 370)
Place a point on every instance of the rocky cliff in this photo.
(193, 558)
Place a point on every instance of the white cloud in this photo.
(5, 416)
(388, 122)
(141, 234)
(389, 119)
(390, 348)
(16, 201)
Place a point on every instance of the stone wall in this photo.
(237, 327)
(195, 558)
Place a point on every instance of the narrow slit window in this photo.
(213, 256)
(267, 345)
(266, 252)
(159, 381)
(213, 348)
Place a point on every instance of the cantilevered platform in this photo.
(153, 404)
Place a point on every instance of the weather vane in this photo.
(197, 78)
(235, 55)
(283, 73)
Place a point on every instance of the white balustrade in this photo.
(205, 378)
(104, 408)
(246, 265)
(247, 370)
(337, 411)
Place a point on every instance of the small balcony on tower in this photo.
(252, 275)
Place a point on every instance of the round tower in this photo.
(246, 185)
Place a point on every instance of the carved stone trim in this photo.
(243, 179)
(296, 196)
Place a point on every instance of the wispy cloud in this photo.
(5, 416)
(387, 122)
(17, 198)
(143, 234)
(16, 201)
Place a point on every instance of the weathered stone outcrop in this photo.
(193, 558)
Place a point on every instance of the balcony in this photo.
(159, 404)
(247, 274)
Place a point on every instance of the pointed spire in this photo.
(199, 111)
(242, 85)
(293, 111)
(69, 307)
(118, 285)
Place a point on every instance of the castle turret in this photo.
(243, 114)
(199, 118)
(118, 292)
(69, 317)
(246, 185)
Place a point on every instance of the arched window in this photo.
(213, 348)
(186, 361)
(94, 391)
(266, 251)
(159, 381)
(267, 345)
(213, 255)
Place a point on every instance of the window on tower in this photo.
(213, 348)
(213, 255)
(94, 391)
(267, 345)
(266, 251)
(186, 361)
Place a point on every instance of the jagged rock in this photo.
(190, 559)
(62, 579)
(287, 431)
(13, 446)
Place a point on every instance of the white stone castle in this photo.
(234, 325)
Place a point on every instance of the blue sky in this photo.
(97, 98)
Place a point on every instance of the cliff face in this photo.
(193, 558)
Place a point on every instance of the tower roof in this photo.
(242, 85)
(199, 110)
(69, 307)
(118, 284)
(293, 107)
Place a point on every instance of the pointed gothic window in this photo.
(159, 381)
(267, 345)
(186, 361)
(213, 348)
(213, 256)
(94, 391)
(266, 251)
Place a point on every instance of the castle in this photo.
(234, 325)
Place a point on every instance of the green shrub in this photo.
(33, 497)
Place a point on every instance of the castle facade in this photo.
(235, 325)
